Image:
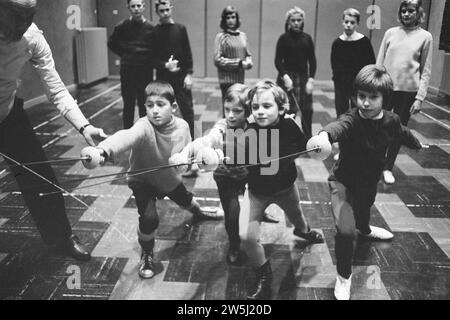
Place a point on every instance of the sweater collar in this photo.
(233, 32)
(168, 23)
(143, 20)
(294, 33)
(410, 28)
(167, 128)
(378, 117)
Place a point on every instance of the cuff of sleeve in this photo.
(328, 134)
(106, 150)
(420, 98)
(76, 118)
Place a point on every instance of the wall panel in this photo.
(191, 13)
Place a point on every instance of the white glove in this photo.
(209, 158)
(172, 65)
(179, 159)
(323, 143)
(96, 157)
(289, 85)
(247, 63)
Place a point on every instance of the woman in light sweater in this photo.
(231, 54)
(406, 52)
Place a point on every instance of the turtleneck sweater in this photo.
(407, 53)
(151, 146)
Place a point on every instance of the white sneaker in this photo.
(213, 213)
(342, 288)
(336, 157)
(379, 234)
(388, 177)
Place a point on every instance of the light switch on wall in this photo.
(117, 62)
(115, 12)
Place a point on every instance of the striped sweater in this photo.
(230, 49)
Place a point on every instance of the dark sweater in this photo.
(295, 53)
(172, 40)
(291, 140)
(363, 144)
(349, 57)
(131, 41)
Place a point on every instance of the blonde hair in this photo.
(279, 95)
(352, 12)
(419, 9)
(290, 13)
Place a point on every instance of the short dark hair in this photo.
(161, 3)
(238, 92)
(162, 89)
(419, 8)
(223, 19)
(374, 78)
(279, 95)
(128, 2)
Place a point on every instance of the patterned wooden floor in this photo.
(191, 259)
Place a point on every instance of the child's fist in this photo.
(179, 160)
(94, 157)
(321, 141)
(208, 159)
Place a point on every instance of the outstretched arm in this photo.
(123, 140)
(56, 91)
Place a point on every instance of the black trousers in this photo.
(400, 103)
(18, 141)
(343, 91)
(133, 80)
(183, 97)
(229, 191)
(146, 196)
(351, 211)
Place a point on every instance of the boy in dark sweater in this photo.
(173, 59)
(272, 181)
(131, 41)
(364, 135)
(350, 52)
(230, 177)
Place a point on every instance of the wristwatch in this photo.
(84, 127)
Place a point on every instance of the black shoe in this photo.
(206, 213)
(146, 266)
(311, 236)
(262, 289)
(235, 257)
(268, 218)
(74, 248)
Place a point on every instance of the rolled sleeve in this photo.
(57, 93)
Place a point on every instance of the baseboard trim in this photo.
(43, 98)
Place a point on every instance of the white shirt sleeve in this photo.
(56, 91)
